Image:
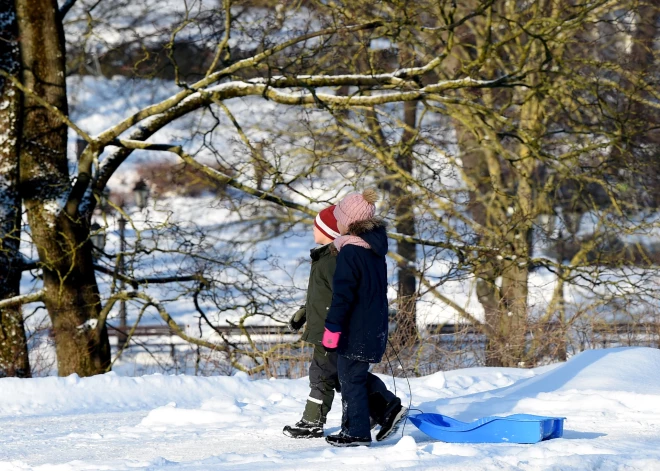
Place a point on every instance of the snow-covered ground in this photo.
(611, 399)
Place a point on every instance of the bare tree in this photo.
(13, 345)
(496, 134)
(58, 230)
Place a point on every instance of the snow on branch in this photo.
(397, 78)
(22, 299)
(270, 89)
(174, 100)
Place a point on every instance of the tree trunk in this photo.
(488, 295)
(485, 211)
(515, 273)
(512, 324)
(71, 294)
(13, 345)
(404, 220)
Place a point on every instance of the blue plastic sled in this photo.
(518, 428)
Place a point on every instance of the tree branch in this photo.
(129, 336)
(214, 174)
(168, 103)
(220, 177)
(22, 299)
(174, 327)
(225, 38)
(136, 282)
(65, 8)
(238, 89)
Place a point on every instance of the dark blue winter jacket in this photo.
(359, 295)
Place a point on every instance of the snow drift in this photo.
(611, 399)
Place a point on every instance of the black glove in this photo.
(298, 319)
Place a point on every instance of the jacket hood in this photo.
(317, 252)
(372, 231)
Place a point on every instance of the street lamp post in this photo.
(121, 338)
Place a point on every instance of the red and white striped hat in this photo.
(327, 223)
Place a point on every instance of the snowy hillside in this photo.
(611, 399)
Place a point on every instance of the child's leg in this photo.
(355, 400)
(381, 399)
(323, 381)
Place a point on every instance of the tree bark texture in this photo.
(404, 220)
(71, 293)
(13, 345)
(486, 274)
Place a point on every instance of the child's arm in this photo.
(344, 287)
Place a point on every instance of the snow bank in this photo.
(632, 369)
(110, 393)
(228, 394)
(610, 381)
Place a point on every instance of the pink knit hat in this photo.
(356, 207)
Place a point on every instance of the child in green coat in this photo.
(323, 378)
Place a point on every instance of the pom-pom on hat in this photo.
(326, 222)
(356, 207)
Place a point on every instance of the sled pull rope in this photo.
(405, 375)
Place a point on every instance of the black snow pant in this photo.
(363, 394)
(323, 382)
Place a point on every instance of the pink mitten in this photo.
(330, 339)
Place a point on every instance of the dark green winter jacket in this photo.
(319, 292)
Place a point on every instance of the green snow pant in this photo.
(323, 382)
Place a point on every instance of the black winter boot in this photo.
(394, 416)
(343, 440)
(304, 429)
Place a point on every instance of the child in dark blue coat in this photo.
(356, 325)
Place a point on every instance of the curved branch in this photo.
(168, 103)
(53, 109)
(237, 89)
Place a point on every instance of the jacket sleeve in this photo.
(344, 290)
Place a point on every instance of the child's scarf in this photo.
(350, 240)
